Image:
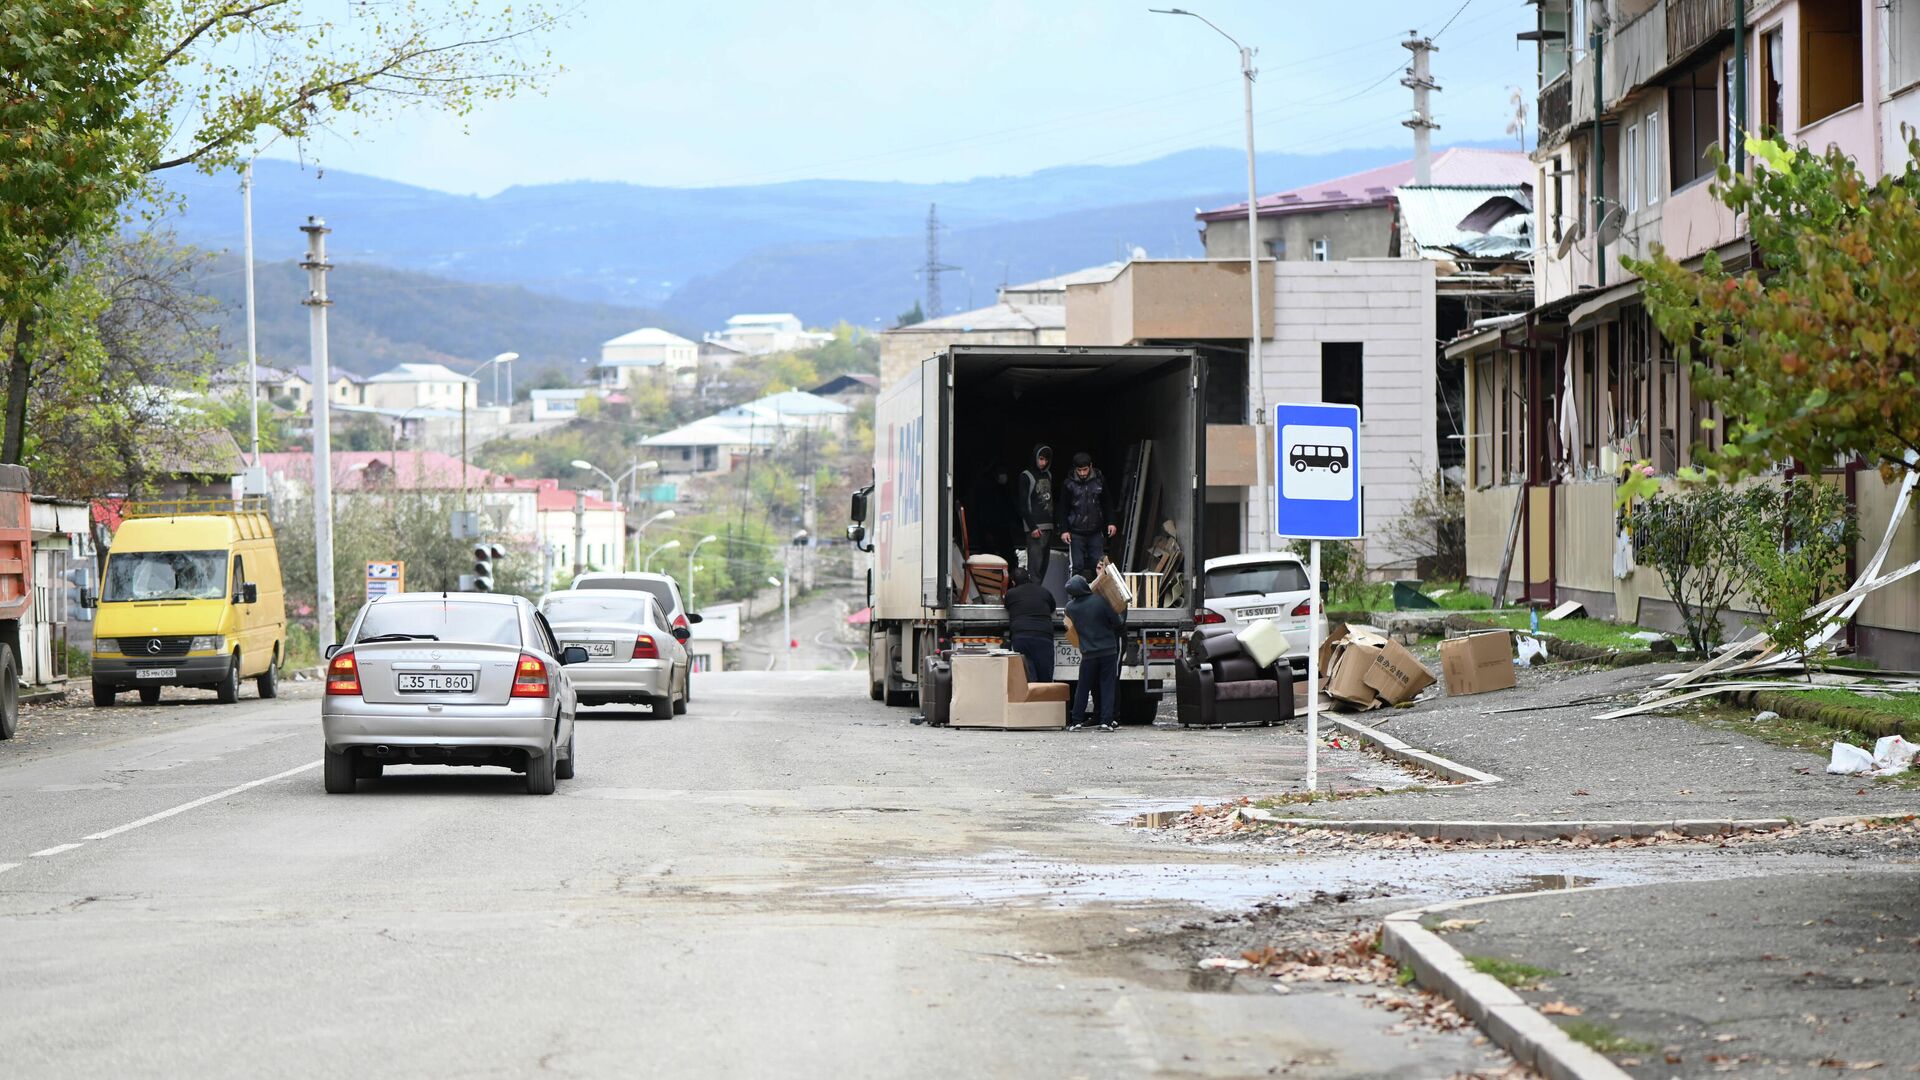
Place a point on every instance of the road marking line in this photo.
(54, 850)
(6, 866)
(202, 801)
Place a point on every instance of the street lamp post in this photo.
(1255, 384)
(786, 618)
(696, 550)
(613, 489)
(668, 546)
(664, 515)
(503, 358)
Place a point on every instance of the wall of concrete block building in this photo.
(1387, 306)
(1350, 233)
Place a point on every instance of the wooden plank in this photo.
(1513, 536)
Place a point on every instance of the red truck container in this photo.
(16, 586)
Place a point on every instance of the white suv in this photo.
(1244, 589)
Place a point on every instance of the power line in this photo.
(1443, 29)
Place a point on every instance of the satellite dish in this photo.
(1611, 223)
(1569, 238)
(1139, 253)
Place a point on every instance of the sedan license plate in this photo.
(1259, 612)
(594, 648)
(436, 683)
(156, 673)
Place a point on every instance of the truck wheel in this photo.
(227, 690)
(1136, 705)
(341, 772)
(102, 695)
(268, 681)
(149, 695)
(877, 691)
(9, 693)
(541, 773)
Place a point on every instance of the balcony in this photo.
(1556, 110)
(1693, 23)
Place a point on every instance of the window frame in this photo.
(1650, 147)
(1632, 169)
(1333, 356)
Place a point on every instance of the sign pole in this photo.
(1313, 668)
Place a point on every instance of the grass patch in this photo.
(1511, 972)
(1596, 632)
(1904, 706)
(1378, 596)
(1796, 734)
(1404, 977)
(1604, 1039)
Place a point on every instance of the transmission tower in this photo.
(934, 267)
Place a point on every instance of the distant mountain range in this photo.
(825, 249)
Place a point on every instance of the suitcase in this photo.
(936, 689)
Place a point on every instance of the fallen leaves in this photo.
(1561, 1008)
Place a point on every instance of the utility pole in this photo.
(1419, 79)
(934, 267)
(253, 356)
(579, 532)
(316, 301)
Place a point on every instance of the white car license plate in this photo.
(594, 648)
(436, 683)
(1259, 612)
(156, 673)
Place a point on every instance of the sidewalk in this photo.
(1560, 763)
(1797, 976)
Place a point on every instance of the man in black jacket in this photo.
(1036, 511)
(1030, 625)
(1089, 516)
(1098, 627)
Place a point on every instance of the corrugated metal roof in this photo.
(1434, 214)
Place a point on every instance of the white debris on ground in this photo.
(1891, 754)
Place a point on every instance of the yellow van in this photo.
(189, 600)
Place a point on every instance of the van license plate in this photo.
(156, 673)
(436, 684)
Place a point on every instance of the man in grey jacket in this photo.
(1098, 626)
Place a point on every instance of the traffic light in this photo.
(484, 557)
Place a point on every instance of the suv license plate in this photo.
(436, 684)
(594, 648)
(1259, 612)
(156, 673)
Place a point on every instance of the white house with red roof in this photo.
(599, 543)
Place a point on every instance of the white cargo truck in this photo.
(1138, 410)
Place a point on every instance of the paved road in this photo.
(827, 643)
(788, 881)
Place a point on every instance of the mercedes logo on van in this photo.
(153, 646)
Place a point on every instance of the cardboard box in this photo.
(1110, 586)
(1477, 663)
(1367, 671)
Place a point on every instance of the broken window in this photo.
(1773, 100)
(1341, 376)
(1693, 106)
(1830, 56)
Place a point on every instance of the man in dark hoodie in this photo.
(1030, 625)
(1098, 627)
(1088, 507)
(1035, 499)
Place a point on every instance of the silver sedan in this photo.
(449, 679)
(635, 655)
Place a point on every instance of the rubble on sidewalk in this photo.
(1891, 755)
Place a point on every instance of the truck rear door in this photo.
(936, 480)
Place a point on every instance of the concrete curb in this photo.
(1396, 750)
(1531, 1038)
(1489, 832)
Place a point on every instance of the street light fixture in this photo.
(1255, 383)
(696, 550)
(502, 358)
(669, 545)
(663, 515)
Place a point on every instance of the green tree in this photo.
(1684, 534)
(910, 316)
(1793, 543)
(1811, 353)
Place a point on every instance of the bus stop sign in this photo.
(1316, 469)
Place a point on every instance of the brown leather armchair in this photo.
(1218, 683)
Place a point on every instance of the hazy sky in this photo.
(706, 92)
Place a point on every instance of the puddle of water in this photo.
(1020, 878)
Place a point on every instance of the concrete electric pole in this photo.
(1420, 80)
(316, 266)
(579, 532)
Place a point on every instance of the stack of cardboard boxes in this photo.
(1363, 670)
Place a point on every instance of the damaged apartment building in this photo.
(1635, 99)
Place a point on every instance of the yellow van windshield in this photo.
(165, 575)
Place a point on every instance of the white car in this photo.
(1244, 589)
(635, 654)
(662, 588)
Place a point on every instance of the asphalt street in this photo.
(790, 880)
